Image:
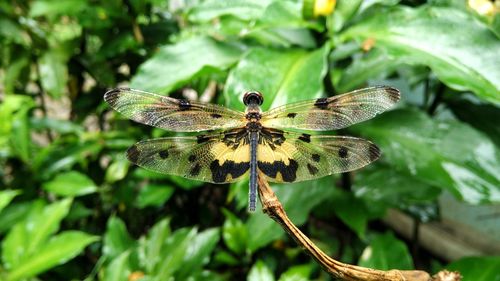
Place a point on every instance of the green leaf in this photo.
(117, 240)
(58, 250)
(198, 252)
(173, 252)
(15, 128)
(477, 268)
(53, 72)
(6, 196)
(483, 117)
(71, 184)
(351, 211)
(14, 73)
(383, 185)
(119, 268)
(151, 245)
(154, 195)
(62, 156)
(297, 273)
(27, 237)
(446, 154)
(285, 14)
(282, 76)
(11, 31)
(307, 195)
(234, 232)
(117, 170)
(175, 65)
(242, 9)
(386, 252)
(51, 8)
(376, 64)
(260, 272)
(459, 49)
(15, 213)
(344, 10)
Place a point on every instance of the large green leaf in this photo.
(154, 195)
(15, 128)
(175, 65)
(297, 273)
(6, 196)
(445, 154)
(462, 51)
(483, 117)
(282, 76)
(260, 272)
(117, 240)
(387, 187)
(198, 253)
(50, 8)
(15, 213)
(354, 217)
(58, 250)
(27, 237)
(119, 268)
(375, 64)
(386, 252)
(235, 233)
(173, 252)
(477, 268)
(151, 245)
(53, 71)
(71, 184)
(243, 9)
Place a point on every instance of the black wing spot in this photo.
(321, 103)
(291, 115)
(192, 158)
(343, 152)
(202, 138)
(394, 94)
(163, 154)
(184, 105)
(220, 172)
(133, 153)
(195, 170)
(374, 152)
(288, 172)
(305, 138)
(316, 157)
(215, 115)
(312, 170)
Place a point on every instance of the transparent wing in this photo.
(172, 114)
(215, 158)
(332, 113)
(291, 157)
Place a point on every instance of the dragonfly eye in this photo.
(253, 98)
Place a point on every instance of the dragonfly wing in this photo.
(293, 157)
(216, 158)
(332, 113)
(172, 114)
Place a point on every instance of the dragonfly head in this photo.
(253, 98)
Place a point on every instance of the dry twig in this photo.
(273, 208)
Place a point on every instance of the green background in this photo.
(73, 208)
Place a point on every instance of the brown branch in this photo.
(273, 208)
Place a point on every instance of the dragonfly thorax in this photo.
(253, 126)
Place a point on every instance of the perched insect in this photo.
(237, 143)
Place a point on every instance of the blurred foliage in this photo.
(73, 208)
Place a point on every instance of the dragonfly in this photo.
(232, 144)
